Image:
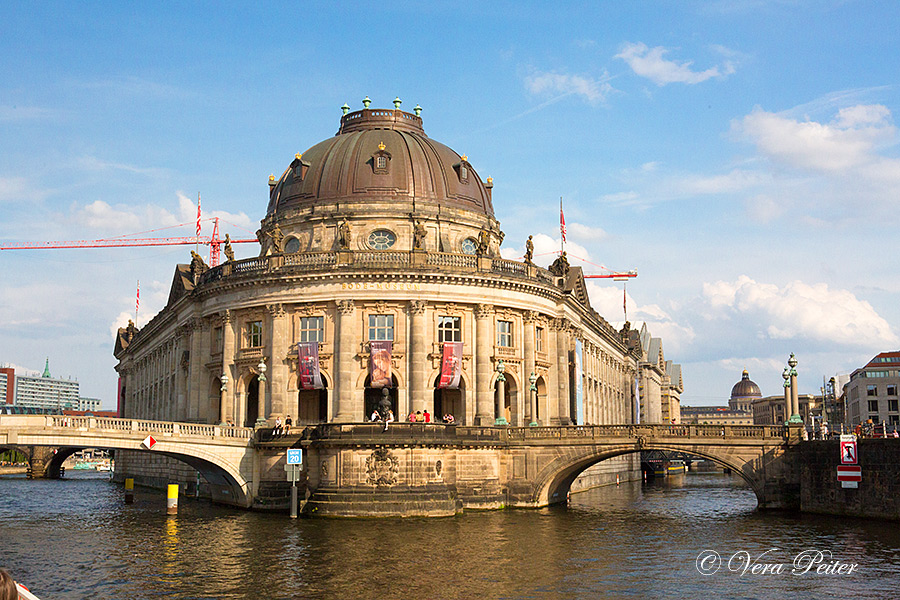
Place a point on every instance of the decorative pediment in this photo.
(381, 160)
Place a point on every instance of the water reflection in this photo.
(77, 539)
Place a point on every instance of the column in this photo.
(484, 335)
(226, 410)
(343, 393)
(278, 350)
(562, 370)
(193, 408)
(418, 352)
(528, 318)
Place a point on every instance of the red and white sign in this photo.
(848, 452)
(149, 442)
(849, 473)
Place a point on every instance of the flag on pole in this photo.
(562, 222)
(198, 214)
(137, 301)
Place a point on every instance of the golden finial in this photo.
(490, 181)
(464, 157)
(297, 156)
(381, 146)
(271, 179)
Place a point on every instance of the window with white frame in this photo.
(504, 334)
(449, 329)
(539, 339)
(381, 327)
(312, 329)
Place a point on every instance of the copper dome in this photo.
(745, 388)
(380, 154)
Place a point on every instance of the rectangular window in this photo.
(218, 339)
(381, 327)
(871, 390)
(312, 329)
(873, 406)
(874, 418)
(504, 334)
(254, 334)
(892, 405)
(894, 419)
(892, 389)
(539, 339)
(449, 329)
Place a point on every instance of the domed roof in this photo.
(745, 388)
(381, 154)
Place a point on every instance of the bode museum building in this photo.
(379, 277)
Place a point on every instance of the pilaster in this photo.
(484, 395)
(344, 354)
(418, 353)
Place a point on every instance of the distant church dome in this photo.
(743, 394)
(745, 388)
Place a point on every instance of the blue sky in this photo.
(742, 156)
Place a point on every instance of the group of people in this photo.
(282, 429)
(419, 416)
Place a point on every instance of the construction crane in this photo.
(622, 276)
(214, 242)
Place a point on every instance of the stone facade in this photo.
(872, 392)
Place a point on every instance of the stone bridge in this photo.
(223, 455)
(417, 468)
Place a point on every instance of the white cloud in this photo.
(546, 250)
(594, 91)
(124, 219)
(851, 140)
(19, 190)
(649, 62)
(799, 311)
(585, 232)
(620, 198)
(734, 181)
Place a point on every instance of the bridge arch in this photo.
(553, 483)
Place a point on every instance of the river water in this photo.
(76, 539)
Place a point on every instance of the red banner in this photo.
(380, 364)
(308, 376)
(451, 365)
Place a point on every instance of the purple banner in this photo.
(380, 364)
(308, 376)
(451, 365)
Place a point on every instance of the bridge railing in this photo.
(163, 428)
(463, 433)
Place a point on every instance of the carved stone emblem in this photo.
(382, 468)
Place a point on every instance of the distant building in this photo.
(7, 385)
(871, 392)
(738, 411)
(91, 405)
(659, 382)
(770, 410)
(46, 393)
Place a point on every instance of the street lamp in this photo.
(501, 396)
(795, 398)
(532, 379)
(787, 394)
(224, 379)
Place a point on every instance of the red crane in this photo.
(214, 242)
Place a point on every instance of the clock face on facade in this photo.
(382, 239)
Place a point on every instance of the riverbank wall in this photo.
(878, 494)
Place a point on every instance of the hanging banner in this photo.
(451, 365)
(380, 364)
(579, 383)
(308, 377)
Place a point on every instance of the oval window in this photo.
(381, 239)
(469, 246)
(292, 246)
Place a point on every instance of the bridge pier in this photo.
(40, 462)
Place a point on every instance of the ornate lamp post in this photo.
(501, 396)
(223, 390)
(532, 379)
(261, 401)
(795, 399)
(787, 394)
